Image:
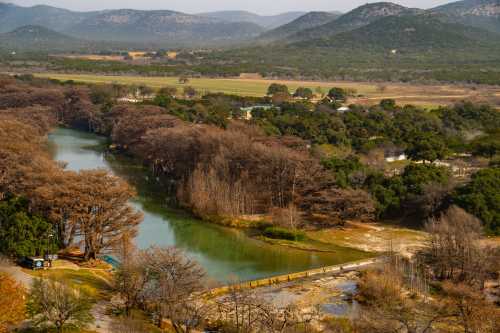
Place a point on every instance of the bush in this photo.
(281, 233)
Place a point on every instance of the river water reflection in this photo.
(223, 252)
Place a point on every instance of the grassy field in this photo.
(94, 283)
(368, 93)
(243, 87)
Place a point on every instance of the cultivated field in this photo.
(367, 92)
(97, 57)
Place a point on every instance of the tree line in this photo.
(299, 163)
(45, 207)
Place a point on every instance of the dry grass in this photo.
(94, 283)
(95, 57)
(372, 237)
(367, 92)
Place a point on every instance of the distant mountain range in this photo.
(461, 24)
(159, 26)
(170, 28)
(265, 21)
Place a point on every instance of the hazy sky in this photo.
(196, 6)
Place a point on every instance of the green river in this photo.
(225, 253)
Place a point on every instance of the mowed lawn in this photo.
(242, 87)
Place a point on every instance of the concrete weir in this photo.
(346, 267)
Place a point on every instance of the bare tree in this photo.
(243, 311)
(55, 304)
(106, 213)
(130, 281)
(470, 308)
(328, 205)
(389, 306)
(237, 311)
(454, 251)
(172, 282)
(288, 217)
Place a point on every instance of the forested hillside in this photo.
(354, 19)
(307, 21)
(411, 33)
(483, 14)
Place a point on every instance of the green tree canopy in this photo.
(343, 168)
(21, 233)
(388, 104)
(487, 146)
(426, 147)
(338, 94)
(303, 93)
(481, 197)
(415, 176)
(276, 88)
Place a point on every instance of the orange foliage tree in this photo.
(12, 303)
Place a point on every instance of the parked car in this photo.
(36, 263)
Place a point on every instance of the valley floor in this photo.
(367, 93)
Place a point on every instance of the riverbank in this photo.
(362, 240)
(367, 237)
(373, 237)
(224, 253)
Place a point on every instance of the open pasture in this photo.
(366, 92)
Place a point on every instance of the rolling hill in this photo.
(124, 25)
(265, 21)
(13, 17)
(483, 14)
(354, 19)
(408, 33)
(161, 26)
(307, 21)
(37, 38)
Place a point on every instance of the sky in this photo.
(264, 7)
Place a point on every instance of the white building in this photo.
(343, 109)
(247, 111)
(394, 154)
